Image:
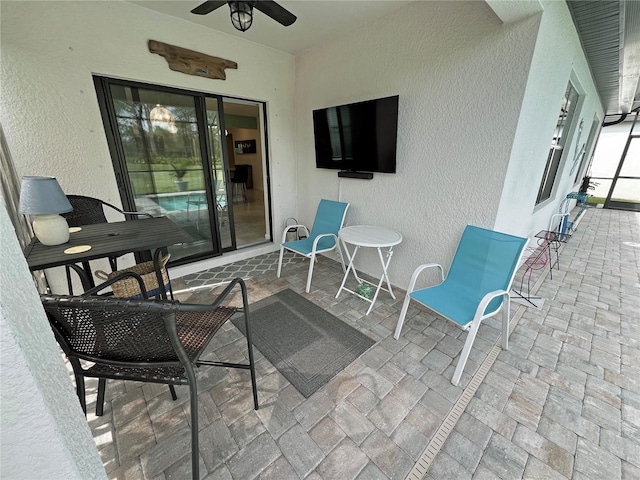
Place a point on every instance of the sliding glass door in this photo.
(615, 170)
(169, 160)
(625, 191)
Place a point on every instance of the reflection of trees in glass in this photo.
(130, 125)
(156, 152)
(213, 125)
(146, 144)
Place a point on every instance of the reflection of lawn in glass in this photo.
(163, 181)
(157, 174)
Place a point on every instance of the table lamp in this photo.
(43, 198)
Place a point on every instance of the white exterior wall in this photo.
(461, 76)
(558, 57)
(44, 432)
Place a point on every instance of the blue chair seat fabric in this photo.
(453, 306)
(305, 246)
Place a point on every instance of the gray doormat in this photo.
(307, 344)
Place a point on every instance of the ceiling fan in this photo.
(242, 12)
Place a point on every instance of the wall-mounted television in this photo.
(358, 137)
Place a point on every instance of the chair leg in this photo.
(311, 262)
(69, 283)
(195, 452)
(172, 389)
(471, 336)
(344, 268)
(280, 262)
(247, 329)
(506, 311)
(403, 313)
(80, 392)
(102, 385)
(113, 262)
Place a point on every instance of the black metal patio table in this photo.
(105, 240)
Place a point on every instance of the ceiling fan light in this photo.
(160, 114)
(161, 117)
(241, 15)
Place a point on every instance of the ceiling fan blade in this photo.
(208, 7)
(275, 11)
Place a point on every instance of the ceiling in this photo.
(319, 21)
(610, 35)
(609, 31)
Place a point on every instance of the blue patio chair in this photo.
(199, 199)
(322, 238)
(476, 288)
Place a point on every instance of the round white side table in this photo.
(369, 236)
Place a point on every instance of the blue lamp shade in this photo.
(43, 198)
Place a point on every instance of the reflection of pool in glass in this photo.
(172, 203)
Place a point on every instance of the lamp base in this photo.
(51, 229)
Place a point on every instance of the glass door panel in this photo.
(616, 165)
(626, 192)
(159, 134)
(631, 165)
(243, 123)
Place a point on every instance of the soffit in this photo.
(610, 34)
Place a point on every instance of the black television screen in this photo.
(357, 137)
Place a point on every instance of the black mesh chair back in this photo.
(90, 211)
(240, 178)
(241, 174)
(86, 211)
(143, 340)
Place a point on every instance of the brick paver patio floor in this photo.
(562, 402)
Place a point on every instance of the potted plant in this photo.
(180, 170)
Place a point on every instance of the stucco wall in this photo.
(49, 109)
(44, 432)
(460, 74)
(558, 57)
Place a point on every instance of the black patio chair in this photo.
(143, 340)
(89, 211)
(239, 180)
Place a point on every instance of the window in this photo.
(558, 142)
(586, 148)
